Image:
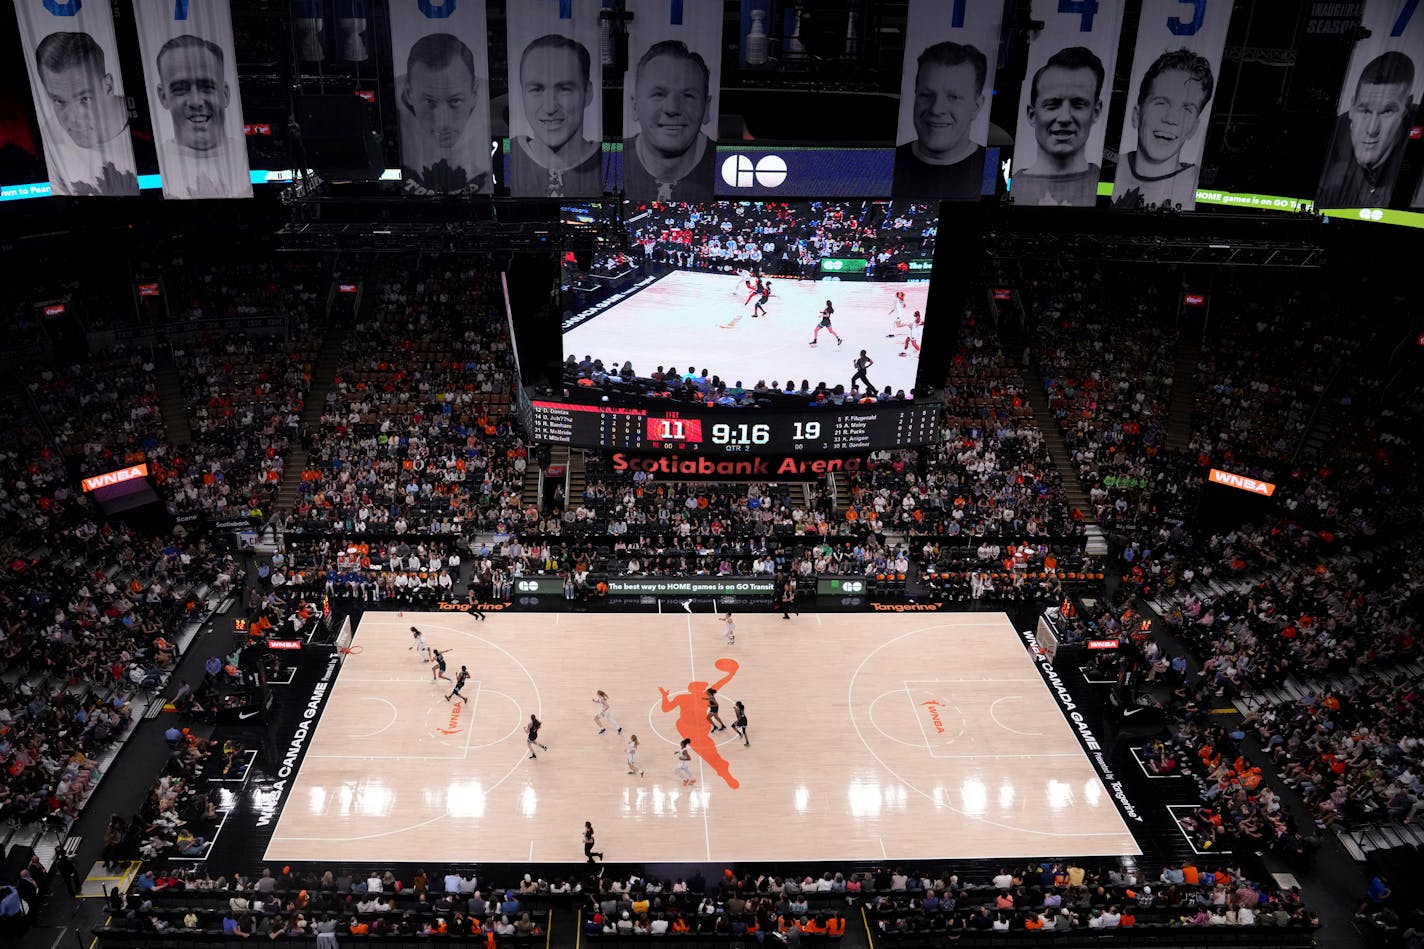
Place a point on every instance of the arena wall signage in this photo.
(700, 586)
(118, 476)
(72, 56)
(269, 800)
(788, 171)
(1241, 482)
(774, 467)
(191, 71)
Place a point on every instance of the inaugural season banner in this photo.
(670, 99)
(1169, 98)
(72, 58)
(441, 58)
(1376, 109)
(951, 50)
(191, 74)
(1058, 148)
(555, 99)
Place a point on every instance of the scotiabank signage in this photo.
(54, 309)
(774, 467)
(346, 288)
(1003, 293)
(1194, 299)
(115, 477)
(1241, 482)
(148, 289)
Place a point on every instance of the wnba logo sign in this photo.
(768, 172)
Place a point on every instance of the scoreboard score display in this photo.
(733, 432)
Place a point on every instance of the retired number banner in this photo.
(191, 75)
(1058, 148)
(670, 99)
(441, 61)
(72, 58)
(1376, 108)
(951, 50)
(1174, 70)
(555, 99)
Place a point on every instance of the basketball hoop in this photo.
(349, 650)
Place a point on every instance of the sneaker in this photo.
(902, 355)
(533, 756)
(839, 341)
(813, 342)
(620, 731)
(602, 730)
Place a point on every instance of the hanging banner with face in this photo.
(1174, 70)
(1058, 148)
(555, 99)
(1378, 99)
(441, 58)
(670, 99)
(191, 74)
(951, 50)
(72, 58)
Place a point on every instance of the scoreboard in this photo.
(735, 431)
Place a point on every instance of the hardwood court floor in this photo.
(701, 317)
(903, 736)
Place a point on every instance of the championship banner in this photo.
(1058, 147)
(191, 74)
(948, 79)
(555, 99)
(72, 58)
(670, 99)
(441, 58)
(1376, 109)
(1174, 70)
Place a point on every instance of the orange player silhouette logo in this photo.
(694, 724)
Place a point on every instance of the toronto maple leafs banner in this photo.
(951, 50)
(191, 75)
(1174, 70)
(72, 59)
(441, 61)
(1058, 147)
(555, 99)
(1378, 101)
(670, 95)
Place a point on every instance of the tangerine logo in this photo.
(768, 172)
(456, 711)
(905, 607)
(934, 705)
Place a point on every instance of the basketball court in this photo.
(903, 736)
(703, 318)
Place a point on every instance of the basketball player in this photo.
(588, 842)
(460, 684)
(437, 668)
(633, 757)
(788, 598)
(754, 289)
(825, 324)
(760, 308)
(684, 766)
(739, 724)
(911, 329)
(531, 735)
(897, 309)
(730, 630)
(421, 647)
(603, 717)
(713, 718)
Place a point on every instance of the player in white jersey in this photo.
(421, 647)
(633, 756)
(603, 717)
(729, 629)
(684, 763)
(898, 308)
(911, 332)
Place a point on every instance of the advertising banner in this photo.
(1058, 149)
(191, 75)
(1169, 98)
(72, 58)
(555, 99)
(441, 60)
(951, 50)
(670, 99)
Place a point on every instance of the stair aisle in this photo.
(333, 348)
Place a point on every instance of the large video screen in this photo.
(745, 299)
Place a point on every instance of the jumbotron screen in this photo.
(759, 294)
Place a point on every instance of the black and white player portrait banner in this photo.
(951, 50)
(442, 95)
(1169, 97)
(1058, 147)
(555, 99)
(670, 96)
(72, 58)
(1378, 100)
(191, 76)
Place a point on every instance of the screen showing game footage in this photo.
(742, 299)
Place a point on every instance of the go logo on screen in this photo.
(768, 172)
